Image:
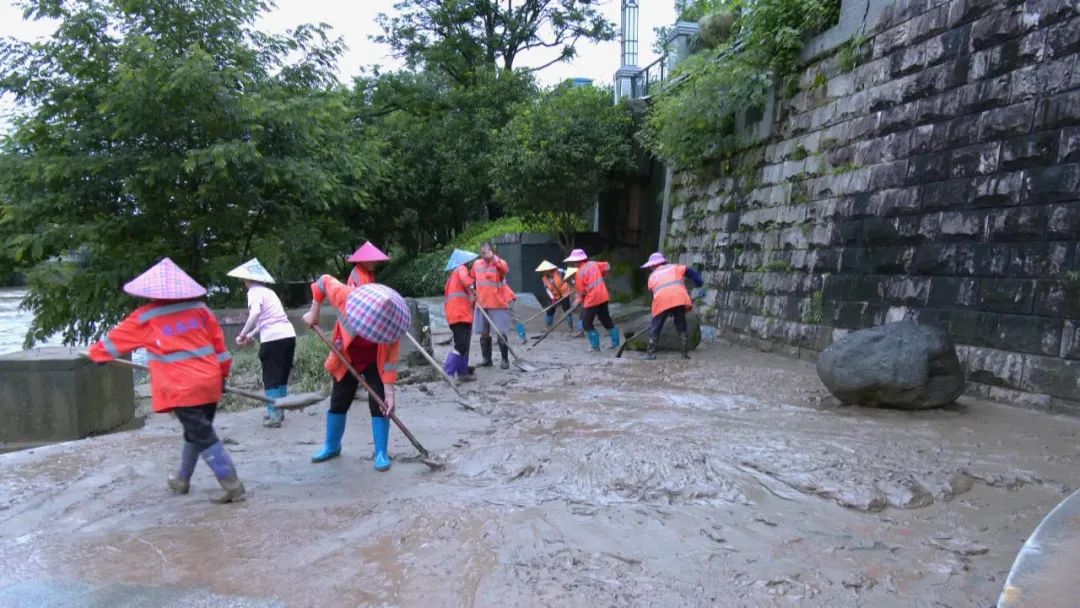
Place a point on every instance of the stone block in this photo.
(1063, 222)
(1070, 340)
(949, 292)
(949, 194)
(995, 28)
(963, 11)
(1061, 110)
(972, 328)
(1036, 150)
(978, 159)
(1023, 223)
(985, 94)
(879, 231)
(906, 290)
(931, 167)
(894, 201)
(1052, 376)
(1058, 299)
(1059, 183)
(53, 394)
(991, 260)
(962, 225)
(888, 175)
(934, 259)
(1029, 334)
(995, 367)
(1007, 121)
(899, 118)
(1042, 79)
(916, 229)
(997, 190)
(1039, 13)
(1016, 398)
(1014, 296)
(1069, 146)
(1063, 39)
(886, 260)
(960, 131)
(1039, 259)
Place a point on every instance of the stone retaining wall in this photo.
(931, 172)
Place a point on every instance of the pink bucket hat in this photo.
(164, 281)
(577, 255)
(368, 253)
(655, 259)
(377, 314)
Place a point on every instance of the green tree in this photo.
(558, 153)
(464, 37)
(152, 128)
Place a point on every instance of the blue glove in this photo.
(699, 293)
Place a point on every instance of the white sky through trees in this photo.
(354, 21)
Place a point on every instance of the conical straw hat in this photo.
(655, 259)
(546, 266)
(164, 281)
(368, 253)
(251, 270)
(577, 255)
(459, 257)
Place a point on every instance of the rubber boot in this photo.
(650, 351)
(464, 372)
(221, 464)
(451, 365)
(613, 333)
(180, 483)
(504, 351)
(570, 322)
(521, 333)
(594, 340)
(684, 341)
(485, 351)
(274, 416)
(335, 430)
(380, 433)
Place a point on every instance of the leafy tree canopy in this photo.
(558, 152)
(153, 128)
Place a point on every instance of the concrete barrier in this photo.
(52, 394)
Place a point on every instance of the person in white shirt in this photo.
(277, 337)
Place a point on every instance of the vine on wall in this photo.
(692, 123)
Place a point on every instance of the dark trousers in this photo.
(198, 423)
(276, 358)
(344, 391)
(596, 312)
(462, 336)
(678, 313)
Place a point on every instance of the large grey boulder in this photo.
(898, 365)
(669, 338)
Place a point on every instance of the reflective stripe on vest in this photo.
(322, 288)
(390, 367)
(109, 346)
(354, 276)
(587, 272)
(169, 309)
(225, 356)
(495, 284)
(666, 285)
(457, 294)
(181, 355)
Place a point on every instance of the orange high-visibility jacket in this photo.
(506, 293)
(590, 283)
(458, 306)
(360, 276)
(490, 278)
(554, 284)
(327, 287)
(185, 350)
(668, 288)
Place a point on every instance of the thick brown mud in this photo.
(720, 481)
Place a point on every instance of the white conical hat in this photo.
(251, 270)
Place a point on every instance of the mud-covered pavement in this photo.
(592, 482)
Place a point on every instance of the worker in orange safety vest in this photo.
(592, 293)
(670, 298)
(364, 260)
(188, 362)
(490, 273)
(557, 288)
(458, 307)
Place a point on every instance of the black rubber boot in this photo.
(504, 350)
(685, 340)
(650, 351)
(485, 351)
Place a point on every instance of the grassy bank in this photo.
(308, 373)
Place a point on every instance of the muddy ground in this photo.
(721, 481)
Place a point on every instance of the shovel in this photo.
(518, 362)
(553, 305)
(291, 402)
(552, 328)
(465, 402)
(630, 337)
(425, 457)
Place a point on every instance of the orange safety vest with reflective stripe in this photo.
(668, 288)
(590, 283)
(458, 307)
(360, 276)
(327, 287)
(185, 350)
(490, 282)
(554, 284)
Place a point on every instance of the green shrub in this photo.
(307, 375)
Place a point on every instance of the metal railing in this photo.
(645, 82)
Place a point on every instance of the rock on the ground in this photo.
(899, 365)
(669, 338)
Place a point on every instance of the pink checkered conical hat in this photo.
(368, 253)
(377, 314)
(164, 281)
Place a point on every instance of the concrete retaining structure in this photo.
(52, 394)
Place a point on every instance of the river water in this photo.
(13, 322)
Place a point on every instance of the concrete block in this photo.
(53, 394)
(1052, 376)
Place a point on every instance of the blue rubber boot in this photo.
(274, 416)
(452, 363)
(613, 333)
(521, 333)
(380, 432)
(594, 340)
(335, 430)
(180, 483)
(221, 464)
